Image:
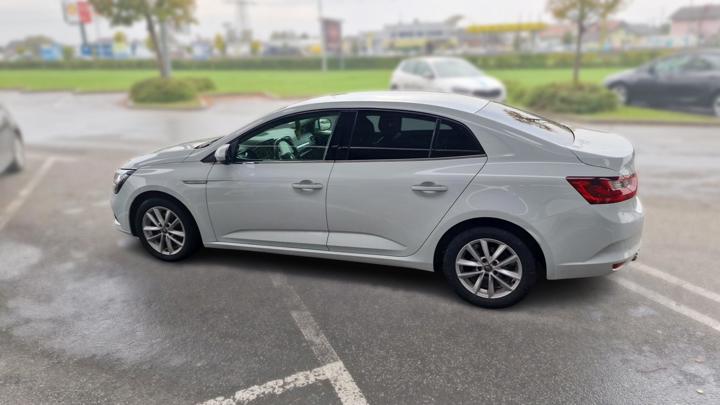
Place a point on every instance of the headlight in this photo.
(460, 90)
(121, 175)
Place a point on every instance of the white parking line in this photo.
(668, 303)
(341, 380)
(25, 192)
(676, 281)
(333, 371)
(277, 387)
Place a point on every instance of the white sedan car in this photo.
(447, 75)
(491, 196)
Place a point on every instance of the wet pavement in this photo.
(87, 317)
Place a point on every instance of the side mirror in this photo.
(221, 154)
(324, 124)
(428, 75)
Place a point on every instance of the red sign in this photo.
(332, 30)
(84, 12)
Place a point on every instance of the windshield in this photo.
(455, 68)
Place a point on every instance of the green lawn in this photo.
(310, 83)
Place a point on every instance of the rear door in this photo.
(389, 188)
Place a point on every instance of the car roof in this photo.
(395, 99)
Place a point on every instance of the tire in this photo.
(716, 105)
(165, 242)
(18, 162)
(507, 287)
(622, 93)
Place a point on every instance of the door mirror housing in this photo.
(324, 124)
(428, 75)
(221, 154)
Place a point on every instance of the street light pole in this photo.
(322, 37)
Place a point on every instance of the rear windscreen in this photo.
(539, 126)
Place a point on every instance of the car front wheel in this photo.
(166, 230)
(489, 267)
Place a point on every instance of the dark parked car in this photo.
(12, 155)
(691, 79)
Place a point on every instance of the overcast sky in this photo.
(19, 18)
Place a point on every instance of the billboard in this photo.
(77, 12)
(332, 31)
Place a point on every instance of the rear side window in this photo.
(402, 135)
(391, 135)
(452, 139)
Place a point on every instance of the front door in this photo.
(392, 188)
(273, 191)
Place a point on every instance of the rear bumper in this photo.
(610, 239)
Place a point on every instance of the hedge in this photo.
(585, 98)
(504, 61)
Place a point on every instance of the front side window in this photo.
(304, 137)
(391, 135)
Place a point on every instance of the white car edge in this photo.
(537, 200)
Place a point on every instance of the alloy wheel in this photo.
(488, 268)
(163, 230)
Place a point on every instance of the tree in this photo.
(220, 44)
(156, 14)
(582, 13)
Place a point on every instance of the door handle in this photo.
(307, 185)
(429, 186)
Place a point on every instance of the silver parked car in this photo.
(491, 196)
(447, 75)
(12, 151)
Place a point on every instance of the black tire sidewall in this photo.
(15, 165)
(192, 238)
(527, 260)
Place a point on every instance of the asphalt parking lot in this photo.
(87, 317)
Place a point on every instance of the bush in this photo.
(159, 90)
(565, 98)
(200, 84)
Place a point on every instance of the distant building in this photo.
(420, 37)
(700, 22)
(499, 38)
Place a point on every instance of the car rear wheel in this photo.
(622, 93)
(18, 162)
(489, 267)
(716, 105)
(166, 230)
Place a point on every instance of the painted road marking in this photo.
(333, 371)
(277, 387)
(676, 281)
(25, 192)
(668, 303)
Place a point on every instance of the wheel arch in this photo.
(496, 223)
(144, 196)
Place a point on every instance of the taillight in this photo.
(605, 190)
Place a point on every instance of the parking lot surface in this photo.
(86, 316)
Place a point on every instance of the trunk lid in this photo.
(604, 149)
